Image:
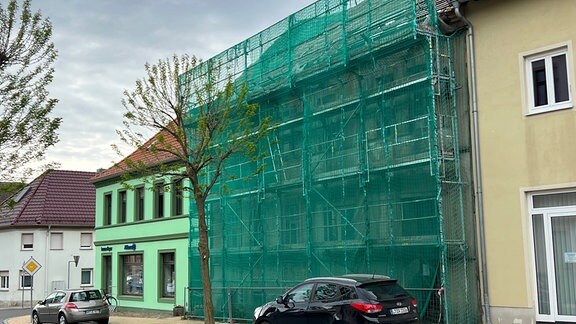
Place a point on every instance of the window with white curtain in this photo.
(27, 241)
(86, 241)
(4, 279)
(56, 241)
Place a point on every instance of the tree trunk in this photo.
(204, 254)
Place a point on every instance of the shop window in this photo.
(167, 274)
(132, 275)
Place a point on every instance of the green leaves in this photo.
(26, 58)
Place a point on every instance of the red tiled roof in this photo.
(57, 197)
(141, 154)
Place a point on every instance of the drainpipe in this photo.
(47, 259)
(478, 172)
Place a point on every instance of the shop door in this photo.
(107, 273)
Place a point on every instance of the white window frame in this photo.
(91, 271)
(4, 280)
(546, 53)
(547, 212)
(57, 241)
(83, 245)
(26, 241)
(21, 280)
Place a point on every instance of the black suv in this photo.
(349, 299)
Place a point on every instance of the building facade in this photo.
(47, 230)
(369, 168)
(141, 238)
(527, 128)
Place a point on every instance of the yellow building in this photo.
(524, 66)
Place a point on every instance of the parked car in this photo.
(349, 299)
(71, 306)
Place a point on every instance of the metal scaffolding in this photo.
(368, 170)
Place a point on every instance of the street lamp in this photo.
(76, 258)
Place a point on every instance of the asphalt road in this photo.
(7, 313)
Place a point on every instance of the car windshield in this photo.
(85, 295)
(384, 290)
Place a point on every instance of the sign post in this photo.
(31, 267)
(76, 258)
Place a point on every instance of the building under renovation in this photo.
(368, 171)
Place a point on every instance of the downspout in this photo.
(478, 169)
(47, 259)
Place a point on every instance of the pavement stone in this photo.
(132, 317)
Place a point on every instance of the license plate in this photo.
(97, 311)
(398, 311)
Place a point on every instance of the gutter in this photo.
(478, 169)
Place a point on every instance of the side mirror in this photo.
(280, 300)
(42, 302)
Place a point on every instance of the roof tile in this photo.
(57, 197)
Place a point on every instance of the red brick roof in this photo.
(141, 154)
(57, 197)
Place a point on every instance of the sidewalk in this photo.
(123, 319)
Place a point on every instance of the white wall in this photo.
(55, 265)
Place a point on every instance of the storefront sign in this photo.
(130, 247)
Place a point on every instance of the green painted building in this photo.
(141, 239)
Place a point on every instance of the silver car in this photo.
(71, 306)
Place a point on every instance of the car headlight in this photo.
(257, 311)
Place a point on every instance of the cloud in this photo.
(103, 46)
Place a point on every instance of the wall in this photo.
(148, 237)
(54, 263)
(518, 151)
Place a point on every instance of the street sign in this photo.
(31, 266)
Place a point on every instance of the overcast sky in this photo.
(104, 44)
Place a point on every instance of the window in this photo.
(86, 277)
(139, 204)
(331, 225)
(107, 209)
(327, 292)
(86, 241)
(159, 200)
(553, 222)
(300, 293)
(548, 80)
(50, 298)
(177, 198)
(27, 241)
(132, 274)
(59, 297)
(21, 194)
(4, 280)
(56, 241)
(167, 274)
(25, 280)
(122, 206)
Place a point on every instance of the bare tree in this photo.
(26, 57)
(200, 118)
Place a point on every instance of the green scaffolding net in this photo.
(369, 170)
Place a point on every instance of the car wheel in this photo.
(62, 319)
(103, 321)
(35, 318)
(264, 322)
